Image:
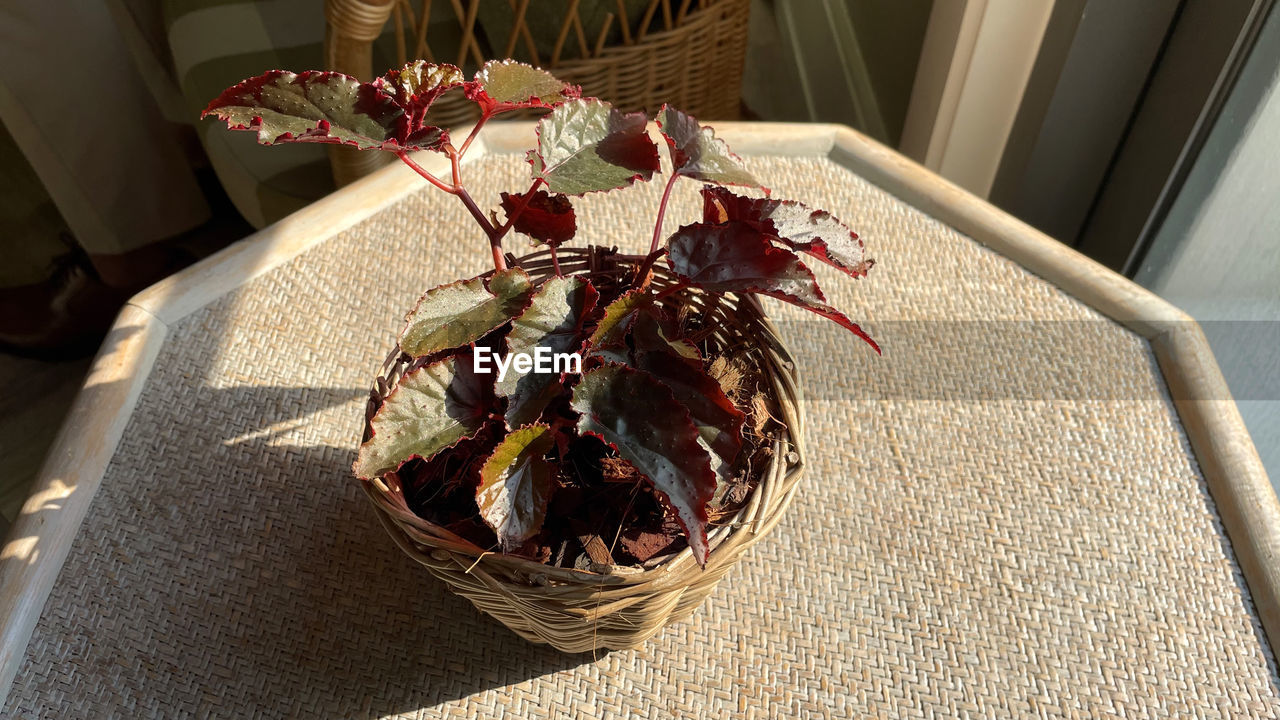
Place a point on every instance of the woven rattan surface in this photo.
(1000, 517)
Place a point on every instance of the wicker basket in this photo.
(695, 63)
(611, 606)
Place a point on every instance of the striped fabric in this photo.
(216, 43)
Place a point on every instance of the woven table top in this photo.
(1001, 517)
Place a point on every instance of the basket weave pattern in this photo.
(610, 607)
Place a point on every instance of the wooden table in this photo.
(1041, 500)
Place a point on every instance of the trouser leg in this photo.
(84, 119)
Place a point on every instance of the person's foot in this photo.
(68, 314)
(64, 316)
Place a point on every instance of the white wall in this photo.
(977, 59)
(1217, 256)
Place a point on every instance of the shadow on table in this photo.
(315, 610)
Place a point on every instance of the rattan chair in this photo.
(644, 52)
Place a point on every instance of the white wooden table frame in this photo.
(43, 533)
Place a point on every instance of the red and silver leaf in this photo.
(553, 320)
(696, 152)
(546, 218)
(418, 84)
(816, 232)
(320, 107)
(503, 85)
(453, 315)
(640, 418)
(737, 257)
(430, 409)
(589, 146)
(415, 87)
(516, 483)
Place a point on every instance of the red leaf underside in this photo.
(546, 218)
(816, 232)
(737, 257)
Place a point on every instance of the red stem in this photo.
(555, 261)
(495, 240)
(474, 131)
(662, 211)
(641, 280)
(672, 290)
(404, 157)
(524, 203)
(499, 259)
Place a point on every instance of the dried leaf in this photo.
(696, 152)
(643, 544)
(515, 485)
(638, 416)
(730, 375)
(546, 218)
(737, 257)
(553, 320)
(588, 146)
(816, 232)
(453, 315)
(503, 85)
(430, 409)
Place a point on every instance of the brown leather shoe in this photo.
(65, 316)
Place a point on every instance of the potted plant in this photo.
(579, 441)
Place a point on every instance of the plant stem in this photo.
(641, 280)
(454, 156)
(662, 211)
(524, 203)
(555, 261)
(474, 131)
(404, 157)
(495, 240)
(478, 214)
(672, 290)
(499, 260)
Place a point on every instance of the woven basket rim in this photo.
(744, 528)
